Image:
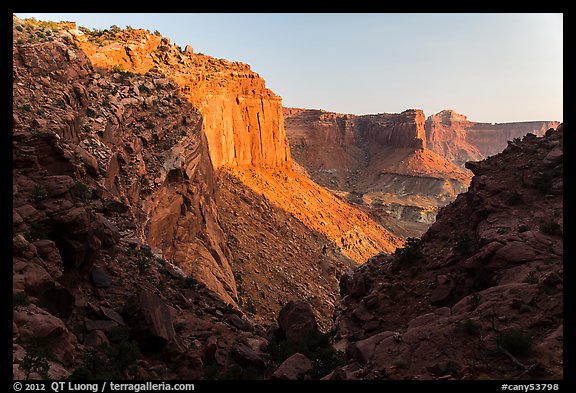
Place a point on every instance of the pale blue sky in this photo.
(490, 67)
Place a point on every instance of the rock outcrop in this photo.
(480, 295)
(446, 135)
(379, 162)
(242, 119)
(459, 140)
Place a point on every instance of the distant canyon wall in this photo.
(458, 139)
(377, 161)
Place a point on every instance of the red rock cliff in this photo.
(446, 135)
(491, 139)
(458, 139)
(242, 119)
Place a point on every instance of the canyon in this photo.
(380, 163)
(166, 207)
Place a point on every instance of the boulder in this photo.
(246, 357)
(100, 278)
(106, 231)
(296, 320)
(38, 325)
(150, 320)
(209, 351)
(239, 323)
(295, 367)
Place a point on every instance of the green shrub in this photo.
(531, 278)
(400, 363)
(190, 282)
(515, 198)
(81, 190)
(119, 68)
(523, 228)
(551, 228)
(36, 230)
(20, 299)
(470, 327)
(250, 307)
(464, 245)
(26, 107)
(515, 341)
(109, 361)
(38, 192)
(315, 346)
(36, 360)
(179, 327)
(543, 182)
(410, 253)
(474, 300)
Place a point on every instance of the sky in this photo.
(490, 67)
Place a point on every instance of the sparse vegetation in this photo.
(179, 327)
(515, 341)
(400, 363)
(474, 300)
(36, 360)
(190, 282)
(469, 327)
(409, 254)
(20, 299)
(543, 182)
(515, 198)
(315, 346)
(531, 278)
(464, 245)
(119, 68)
(26, 107)
(551, 228)
(523, 228)
(38, 192)
(109, 361)
(250, 307)
(81, 190)
(36, 230)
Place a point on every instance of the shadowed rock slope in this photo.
(480, 295)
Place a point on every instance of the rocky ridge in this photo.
(489, 307)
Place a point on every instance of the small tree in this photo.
(36, 361)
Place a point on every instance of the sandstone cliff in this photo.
(242, 118)
(457, 139)
(377, 161)
(480, 295)
(446, 135)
